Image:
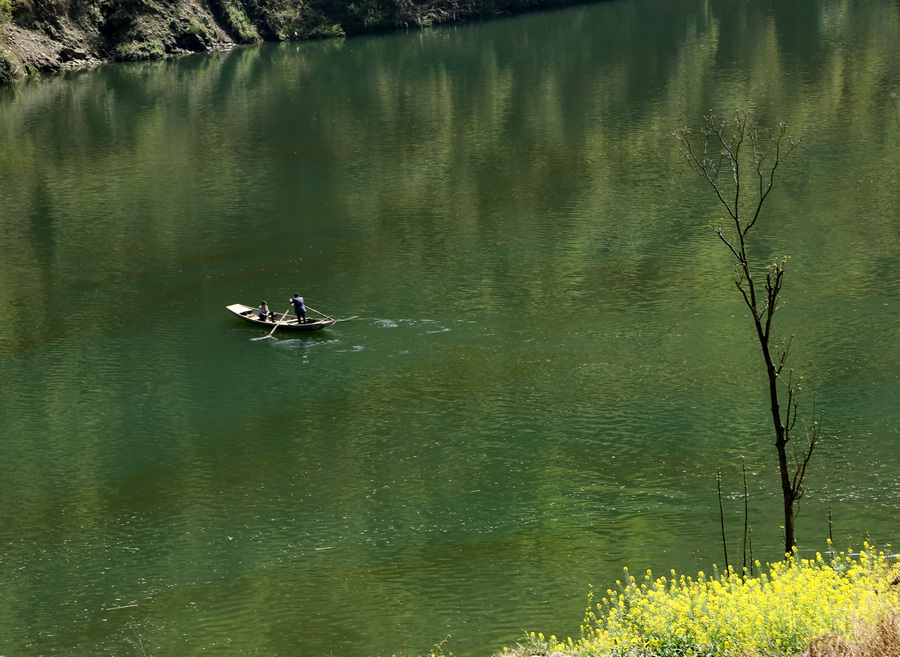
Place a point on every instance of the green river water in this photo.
(541, 359)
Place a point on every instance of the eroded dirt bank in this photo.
(44, 36)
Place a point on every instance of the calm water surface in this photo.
(540, 361)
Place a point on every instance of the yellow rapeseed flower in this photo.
(727, 614)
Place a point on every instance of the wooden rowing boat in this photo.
(288, 322)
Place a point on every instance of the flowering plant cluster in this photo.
(727, 614)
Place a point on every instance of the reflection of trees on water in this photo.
(456, 147)
(521, 169)
(438, 151)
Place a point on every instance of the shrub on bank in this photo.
(814, 605)
(8, 67)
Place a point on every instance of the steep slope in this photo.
(38, 36)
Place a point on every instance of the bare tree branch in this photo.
(720, 149)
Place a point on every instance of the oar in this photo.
(277, 324)
(321, 313)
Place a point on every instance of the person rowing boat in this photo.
(299, 308)
(283, 322)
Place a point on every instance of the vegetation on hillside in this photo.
(47, 35)
(849, 605)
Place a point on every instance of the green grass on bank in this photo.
(848, 606)
(6, 9)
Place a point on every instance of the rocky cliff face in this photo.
(38, 36)
(45, 36)
(50, 35)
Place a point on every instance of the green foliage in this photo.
(133, 51)
(290, 20)
(724, 615)
(327, 32)
(380, 15)
(6, 10)
(365, 15)
(239, 22)
(284, 21)
(8, 67)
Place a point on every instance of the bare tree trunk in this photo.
(781, 441)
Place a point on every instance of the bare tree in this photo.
(719, 154)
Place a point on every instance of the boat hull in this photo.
(287, 322)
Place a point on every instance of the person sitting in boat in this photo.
(264, 313)
(299, 308)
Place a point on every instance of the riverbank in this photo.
(48, 37)
(848, 606)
